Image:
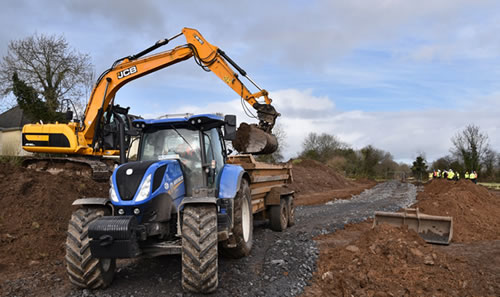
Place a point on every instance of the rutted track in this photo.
(280, 263)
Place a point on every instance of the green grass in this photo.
(494, 186)
(13, 160)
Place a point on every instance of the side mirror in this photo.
(229, 127)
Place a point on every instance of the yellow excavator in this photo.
(98, 134)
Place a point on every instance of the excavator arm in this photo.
(124, 70)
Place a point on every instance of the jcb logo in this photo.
(127, 72)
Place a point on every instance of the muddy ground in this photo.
(34, 209)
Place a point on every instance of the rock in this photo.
(428, 260)
(416, 252)
(352, 248)
(35, 225)
(278, 262)
(380, 294)
(327, 276)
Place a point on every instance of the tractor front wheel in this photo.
(84, 270)
(199, 248)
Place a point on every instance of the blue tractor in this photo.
(179, 197)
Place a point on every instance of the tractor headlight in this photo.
(112, 192)
(145, 188)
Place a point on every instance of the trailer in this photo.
(271, 197)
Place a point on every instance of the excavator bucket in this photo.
(250, 139)
(433, 229)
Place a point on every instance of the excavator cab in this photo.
(108, 135)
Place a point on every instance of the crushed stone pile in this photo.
(475, 209)
(389, 261)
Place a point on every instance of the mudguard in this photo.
(91, 201)
(229, 182)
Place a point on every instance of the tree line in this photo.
(369, 161)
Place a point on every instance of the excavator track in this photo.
(97, 169)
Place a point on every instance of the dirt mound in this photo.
(475, 210)
(311, 176)
(315, 183)
(34, 211)
(389, 261)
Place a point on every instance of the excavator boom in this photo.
(87, 138)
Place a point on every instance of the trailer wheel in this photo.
(242, 238)
(279, 216)
(199, 248)
(84, 270)
(291, 211)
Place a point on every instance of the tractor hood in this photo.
(136, 183)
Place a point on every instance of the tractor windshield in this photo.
(175, 143)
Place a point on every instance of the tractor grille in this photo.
(158, 177)
(129, 184)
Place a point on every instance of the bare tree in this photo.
(277, 156)
(489, 160)
(470, 147)
(321, 147)
(48, 65)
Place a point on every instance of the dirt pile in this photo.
(311, 176)
(475, 209)
(34, 211)
(389, 261)
(316, 183)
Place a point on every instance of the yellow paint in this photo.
(37, 137)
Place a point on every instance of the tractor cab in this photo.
(196, 141)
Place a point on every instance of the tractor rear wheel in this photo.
(84, 270)
(291, 211)
(279, 216)
(241, 242)
(199, 248)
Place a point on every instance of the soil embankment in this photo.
(315, 183)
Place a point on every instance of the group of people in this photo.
(451, 175)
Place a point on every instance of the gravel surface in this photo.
(281, 263)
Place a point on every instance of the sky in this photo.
(403, 76)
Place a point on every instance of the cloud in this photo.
(404, 133)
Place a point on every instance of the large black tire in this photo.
(279, 216)
(291, 211)
(83, 270)
(199, 248)
(240, 244)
